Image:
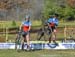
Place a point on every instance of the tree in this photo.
(58, 6)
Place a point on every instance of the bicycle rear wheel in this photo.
(18, 41)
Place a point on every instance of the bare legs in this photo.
(26, 39)
(53, 36)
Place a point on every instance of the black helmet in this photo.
(56, 14)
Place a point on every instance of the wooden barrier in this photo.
(65, 31)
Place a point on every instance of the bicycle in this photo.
(18, 41)
(45, 32)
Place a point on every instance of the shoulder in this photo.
(23, 22)
(50, 19)
(29, 22)
(56, 19)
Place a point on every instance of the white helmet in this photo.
(27, 16)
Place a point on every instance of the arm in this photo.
(21, 26)
(29, 26)
(56, 22)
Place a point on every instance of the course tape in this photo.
(39, 46)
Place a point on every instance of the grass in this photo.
(69, 24)
(35, 23)
(38, 53)
(33, 37)
(10, 24)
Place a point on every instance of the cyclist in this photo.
(52, 25)
(26, 26)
